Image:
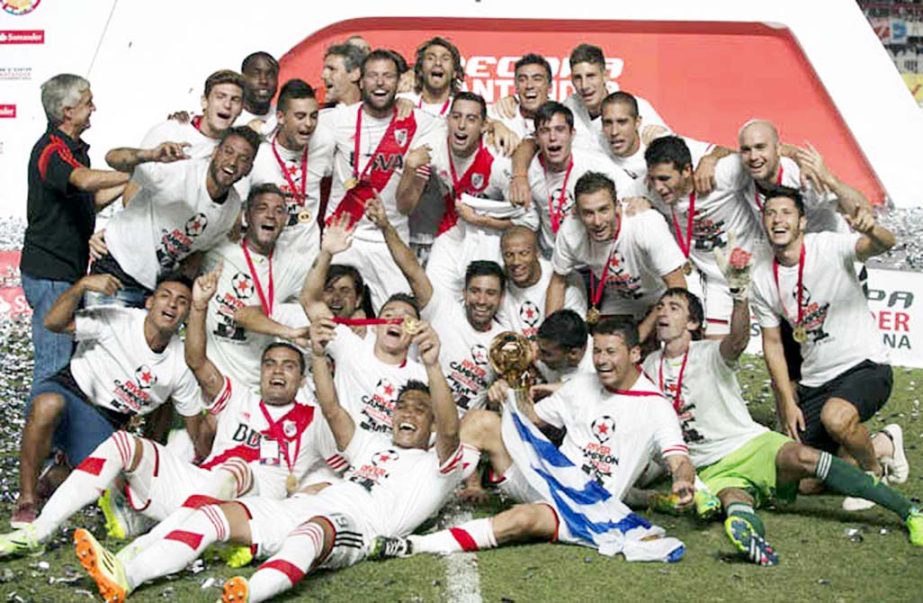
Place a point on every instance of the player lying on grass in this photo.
(393, 485)
(616, 420)
(742, 462)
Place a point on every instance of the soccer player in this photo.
(616, 419)
(256, 271)
(532, 79)
(370, 370)
(739, 460)
(182, 208)
(466, 328)
(261, 79)
(527, 277)
(393, 484)
(704, 223)
(811, 283)
(341, 74)
(633, 258)
(371, 146)
(127, 363)
(296, 158)
(438, 76)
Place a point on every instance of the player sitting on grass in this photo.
(738, 459)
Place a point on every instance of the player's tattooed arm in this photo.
(341, 424)
(445, 414)
(125, 159)
(206, 373)
(403, 256)
(337, 238)
(60, 318)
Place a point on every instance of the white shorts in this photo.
(378, 269)
(271, 522)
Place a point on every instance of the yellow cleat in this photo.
(114, 527)
(104, 567)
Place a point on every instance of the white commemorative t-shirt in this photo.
(233, 349)
(840, 330)
(464, 350)
(635, 165)
(523, 309)
(437, 109)
(389, 490)
(269, 119)
(588, 131)
(712, 412)
(301, 235)
(172, 130)
(341, 120)
(171, 217)
(547, 186)
(563, 375)
(367, 387)
(301, 435)
(612, 436)
(116, 369)
(523, 127)
(642, 255)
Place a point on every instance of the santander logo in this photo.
(22, 36)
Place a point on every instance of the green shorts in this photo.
(751, 468)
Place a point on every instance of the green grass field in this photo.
(819, 562)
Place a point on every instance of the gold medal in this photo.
(304, 216)
(592, 316)
(291, 483)
(411, 326)
(799, 334)
(351, 183)
(687, 268)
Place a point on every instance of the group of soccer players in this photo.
(335, 377)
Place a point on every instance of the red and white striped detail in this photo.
(291, 571)
(56, 147)
(337, 463)
(240, 471)
(221, 400)
(424, 171)
(216, 517)
(675, 449)
(124, 443)
(453, 462)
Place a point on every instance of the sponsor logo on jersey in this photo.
(242, 285)
(22, 36)
(529, 313)
(145, 377)
(603, 428)
(196, 225)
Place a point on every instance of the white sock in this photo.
(180, 546)
(87, 482)
(472, 535)
(286, 568)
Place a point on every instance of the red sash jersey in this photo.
(61, 219)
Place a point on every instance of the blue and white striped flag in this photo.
(591, 514)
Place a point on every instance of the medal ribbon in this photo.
(800, 295)
(482, 163)
(557, 213)
(364, 322)
(677, 402)
(277, 433)
(301, 198)
(596, 291)
(685, 246)
(265, 303)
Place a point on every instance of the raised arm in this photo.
(520, 191)
(206, 373)
(341, 424)
(93, 181)
(704, 176)
(337, 238)
(736, 270)
(875, 239)
(403, 256)
(849, 200)
(126, 159)
(445, 413)
(413, 179)
(252, 319)
(60, 318)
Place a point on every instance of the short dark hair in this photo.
(294, 89)
(591, 182)
(245, 132)
(406, 298)
(352, 55)
(259, 54)
(696, 311)
(587, 53)
(263, 188)
(549, 110)
(287, 346)
(174, 276)
(458, 76)
(623, 327)
(533, 59)
(413, 385)
(473, 97)
(778, 190)
(485, 268)
(336, 271)
(623, 98)
(668, 149)
(564, 327)
(223, 76)
(382, 54)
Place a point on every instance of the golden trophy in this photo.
(511, 356)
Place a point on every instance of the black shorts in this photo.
(866, 386)
(792, 351)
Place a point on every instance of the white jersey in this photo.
(188, 132)
(635, 165)
(301, 235)
(464, 350)
(523, 127)
(840, 330)
(556, 189)
(819, 209)
(294, 439)
(171, 217)
(643, 253)
(523, 309)
(437, 109)
(233, 349)
(269, 119)
(712, 412)
(588, 132)
(612, 436)
(367, 387)
(116, 369)
(341, 120)
(563, 375)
